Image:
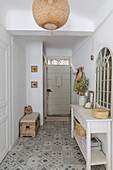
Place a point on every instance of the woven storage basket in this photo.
(100, 113)
(81, 131)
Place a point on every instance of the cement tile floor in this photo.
(52, 149)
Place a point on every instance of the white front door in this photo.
(58, 87)
(4, 106)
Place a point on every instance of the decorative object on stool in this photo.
(50, 14)
(34, 68)
(101, 113)
(34, 84)
(28, 109)
(29, 125)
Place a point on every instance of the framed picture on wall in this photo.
(34, 68)
(34, 84)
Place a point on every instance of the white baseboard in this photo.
(12, 145)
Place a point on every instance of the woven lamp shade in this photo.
(51, 14)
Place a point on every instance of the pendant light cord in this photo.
(92, 45)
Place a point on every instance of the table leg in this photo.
(108, 153)
(88, 162)
(72, 123)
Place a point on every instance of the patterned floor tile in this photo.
(52, 149)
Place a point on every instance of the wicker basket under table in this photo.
(29, 125)
(81, 131)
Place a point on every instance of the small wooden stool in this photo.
(29, 125)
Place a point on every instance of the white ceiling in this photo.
(58, 42)
(85, 18)
(84, 8)
(88, 10)
(65, 42)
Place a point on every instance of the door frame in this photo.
(12, 140)
(44, 92)
(7, 103)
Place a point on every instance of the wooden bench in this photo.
(29, 125)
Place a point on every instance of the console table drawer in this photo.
(98, 127)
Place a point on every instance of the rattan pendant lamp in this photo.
(50, 14)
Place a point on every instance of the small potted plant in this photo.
(81, 89)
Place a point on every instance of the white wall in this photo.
(58, 52)
(19, 86)
(21, 19)
(82, 58)
(34, 56)
(2, 13)
(103, 37)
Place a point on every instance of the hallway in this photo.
(52, 149)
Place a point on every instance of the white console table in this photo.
(92, 125)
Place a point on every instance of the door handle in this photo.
(49, 90)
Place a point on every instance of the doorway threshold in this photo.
(58, 118)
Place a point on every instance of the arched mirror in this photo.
(104, 79)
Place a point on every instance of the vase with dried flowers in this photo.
(81, 89)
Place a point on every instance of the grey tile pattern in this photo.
(52, 149)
